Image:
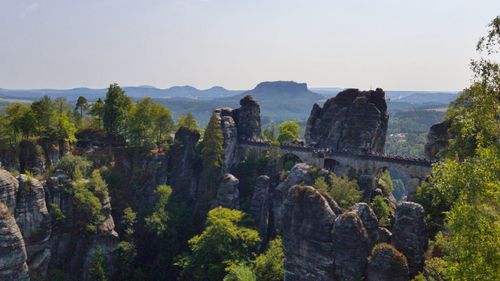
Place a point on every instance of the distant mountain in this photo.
(134, 92)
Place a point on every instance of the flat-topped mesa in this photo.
(353, 121)
(281, 86)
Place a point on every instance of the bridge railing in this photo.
(325, 153)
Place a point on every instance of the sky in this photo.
(397, 45)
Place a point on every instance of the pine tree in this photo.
(98, 267)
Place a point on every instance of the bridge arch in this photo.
(288, 160)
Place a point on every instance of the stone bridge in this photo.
(352, 165)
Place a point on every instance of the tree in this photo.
(212, 154)
(97, 271)
(149, 123)
(288, 132)
(115, 111)
(20, 120)
(157, 222)
(97, 110)
(344, 191)
(381, 210)
(188, 121)
(81, 104)
(240, 272)
(224, 242)
(269, 266)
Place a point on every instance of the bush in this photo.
(344, 191)
(74, 166)
(87, 208)
(382, 210)
(240, 272)
(269, 266)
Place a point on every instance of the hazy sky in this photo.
(417, 45)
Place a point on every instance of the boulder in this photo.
(370, 221)
(228, 194)
(409, 234)
(259, 206)
(352, 247)
(387, 263)
(307, 235)
(13, 256)
(353, 121)
(34, 221)
(437, 140)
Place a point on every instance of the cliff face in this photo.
(354, 121)
(32, 244)
(437, 140)
(13, 256)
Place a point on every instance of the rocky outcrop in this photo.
(182, 164)
(13, 256)
(31, 157)
(247, 117)
(8, 189)
(228, 194)
(32, 217)
(387, 263)
(409, 234)
(307, 235)
(230, 133)
(351, 247)
(354, 121)
(370, 221)
(259, 206)
(384, 235)
(300, 173)
(437, 140)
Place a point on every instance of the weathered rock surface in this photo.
(259, 206)
(300, 173)
(307, 235)
(351, 247)
(13, 256)
(384, 235)
(247, 117)
(33, 218)
(409, 235)
(370, 221)
(182, 163)
(437, 139)
(228, 194)
(386, 264)
(8, 190)
(230, 133)
(31, 157)
(354, 121)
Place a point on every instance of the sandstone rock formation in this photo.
(182, 162)
(230, 133)
(32, 217)
(31, 157)
(13, 256)
(387, 263)
(437, 139)
(8, 190)
(307, 235)
(260, 204)
(248, 119)
(409, 235)
(351, 247)
(228, 194)
(352, 121)
(384, 235)
(370, 221)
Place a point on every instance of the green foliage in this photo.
(57, 214)
(269, 132)
(188, 121)
(240, 272)
(97, 271)
(344, 191)
(125, 254)
(149, 123)
(158, 220)
(223, 242)
(74, 166)
(97, 111)
(87, 208)
(269, 266)
(97, 185)
(129, 219)
(398, 264)
(288, 131)
(115, 111)
(385, 182)
(382, 210)
(81, 104)
(19, 121)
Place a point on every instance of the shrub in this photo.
(74, 166)
(344, 191)
(269, 265)
(382, 210)
(240, 272)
